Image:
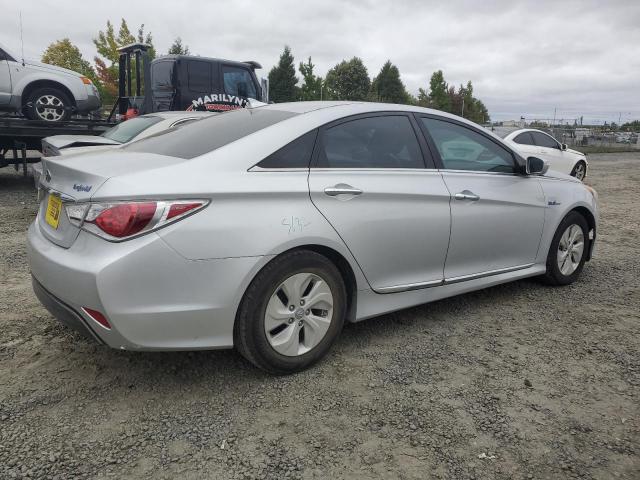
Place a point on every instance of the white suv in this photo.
(43, 92)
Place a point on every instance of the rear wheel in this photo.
(568, 250)
(579, 170)
(292, 313)
(49, 105)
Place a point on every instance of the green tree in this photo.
(283, 80)
(177, 48)
(107, 44)
(312, 87)
(348, 80)
(439, 97)
(387, 86)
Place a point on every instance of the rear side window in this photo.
(162, 74)
(128, 130)
(296, 154)
(238, 82)
(199, 76)
(462, 148)
(387, 141)
(524, 139)
(543, 140)
(204, 136)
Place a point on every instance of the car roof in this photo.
(177, 114)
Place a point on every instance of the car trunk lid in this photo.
(75, 179)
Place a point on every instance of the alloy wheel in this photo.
(298, 314)
(50, 108)
(570, 249)
(580, 171)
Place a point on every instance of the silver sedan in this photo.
(269, 228)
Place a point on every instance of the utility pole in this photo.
(462, 114)
(554, 115)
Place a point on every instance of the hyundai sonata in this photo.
(268, 228)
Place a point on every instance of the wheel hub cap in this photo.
(294, 330)
(570, 249)
(45, 108)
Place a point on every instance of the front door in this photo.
(368, 178)
(5, 80)
(497, 215)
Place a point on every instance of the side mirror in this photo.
(536, 166)
(563, 146)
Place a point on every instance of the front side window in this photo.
(461, 148)
(296, 154)
(374, 142)
(524, 139)
(126, 131)
(543, 140)
(238, 82)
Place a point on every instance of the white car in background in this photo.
(123, 133)
(531, 142)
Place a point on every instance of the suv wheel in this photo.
(49, 105)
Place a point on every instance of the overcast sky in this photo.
(524, 58)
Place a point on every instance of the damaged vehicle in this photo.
(267, 229)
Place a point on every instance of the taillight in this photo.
(119, 221)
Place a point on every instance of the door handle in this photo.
(342, 189)
(466, 195)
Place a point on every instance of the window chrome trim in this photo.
(447, 170)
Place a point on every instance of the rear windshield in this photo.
(126, 131)
(209, 134)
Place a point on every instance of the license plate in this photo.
(54, 207)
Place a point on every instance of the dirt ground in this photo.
(519, 381)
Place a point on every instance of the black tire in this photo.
(34, 112)
(249, 335)
(554, 276)
(574, 172)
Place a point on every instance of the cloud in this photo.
(524, 58)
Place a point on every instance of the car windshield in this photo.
(126, 131)
(201, 137)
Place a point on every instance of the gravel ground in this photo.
(518, 381)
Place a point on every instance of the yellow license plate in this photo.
(54, 207)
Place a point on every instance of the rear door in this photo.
(497, 215)
(370, 181)
(5, 79)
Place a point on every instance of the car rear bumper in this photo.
(153, 298)
(62, 312)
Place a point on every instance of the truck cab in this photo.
(184, 82)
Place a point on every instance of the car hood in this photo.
(46, 66)
(574, 152)
(560, 176)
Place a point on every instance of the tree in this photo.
(348, 80)
(107, 44)
(439, 92)
(312, 87)
(387, 86)
(461, 102)
(283, 80)
(177, 48)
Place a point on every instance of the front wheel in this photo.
(292, 313)
(568, 250)
(49, 105)
(579, 170)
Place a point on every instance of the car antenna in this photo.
(21, 40)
